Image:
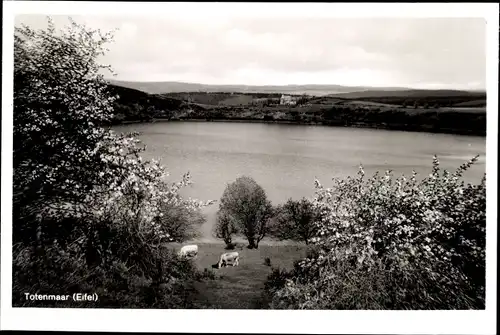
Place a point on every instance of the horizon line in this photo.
(290, 85)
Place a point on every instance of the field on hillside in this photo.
(475, 110)
(237, 100)
(473, 103)
(239, 287)
(368, 103)
(444, 110)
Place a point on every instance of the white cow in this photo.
(229, 257)
(189, 251)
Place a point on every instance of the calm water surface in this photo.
(285, 159)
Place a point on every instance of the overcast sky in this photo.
(420, 53)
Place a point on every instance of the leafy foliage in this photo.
(296, 220)
(244, 204)
(394, 243)
(225, 228)
(89, 213)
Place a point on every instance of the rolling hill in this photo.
(408, 94)
(386, 95)
(135, 105)
(178, 87)
(437, 98)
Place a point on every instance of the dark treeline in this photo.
(429, 102)
(455, 122)
(432, 121)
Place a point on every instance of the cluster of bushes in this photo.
(376, 243)
(89, 214)
(392, 243)
(245, 210)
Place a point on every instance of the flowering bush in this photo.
(88, 212)
(394, 243)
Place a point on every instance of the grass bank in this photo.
(239, 287)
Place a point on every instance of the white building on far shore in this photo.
(287, 100)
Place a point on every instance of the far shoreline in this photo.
(402, 128)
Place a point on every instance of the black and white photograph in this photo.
(159, 159)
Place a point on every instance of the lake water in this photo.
(285, 159)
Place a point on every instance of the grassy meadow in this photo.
(239, 287)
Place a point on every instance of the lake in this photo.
(285, 159)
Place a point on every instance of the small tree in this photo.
(297, 220)
(246, 203)
(225, 228)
